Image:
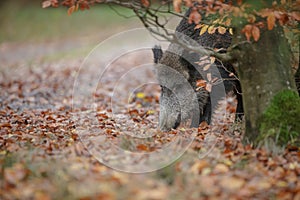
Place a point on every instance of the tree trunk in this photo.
(264, 69)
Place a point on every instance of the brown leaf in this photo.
(271, 21)
(260, 183)
(5, 125)
(145, 3)
(188, 3)
(255, 33)
(248, 31)
(198, 26)
(194, 17)
(71, 9)
(221, 168)
(211, 30)
(15, 174)
(46, 4)
(142, 147)
(227, 22)
(232, 183)
(177, 5)
(296, 15)
(283, 2)
(198, 166)
(221, 30)
(201, 83)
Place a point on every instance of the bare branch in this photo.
(149, 16)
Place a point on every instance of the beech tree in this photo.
(260, 51)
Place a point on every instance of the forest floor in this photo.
(67, 132)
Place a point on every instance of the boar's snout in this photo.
(167, 120)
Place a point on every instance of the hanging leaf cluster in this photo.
(283, 12)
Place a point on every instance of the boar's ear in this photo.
(157, 53)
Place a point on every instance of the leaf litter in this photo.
(42, 156)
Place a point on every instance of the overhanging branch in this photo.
(150, 19)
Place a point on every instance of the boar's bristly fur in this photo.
(175, 106)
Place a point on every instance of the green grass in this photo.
(29, 22)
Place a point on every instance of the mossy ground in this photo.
(281, 120)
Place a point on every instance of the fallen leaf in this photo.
(198, 166)
(221, 168)
(232, 183)
(15, 174)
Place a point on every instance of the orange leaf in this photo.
(177, 5)
(194, 16)
(227, 22)
(271, 21)
(221, 30)
(198, 26)
(71, 10)
(248, 31)
(142, 147)
(201, 83)
(265, 12)
(145, 3)
(255, 33)
(211, 30)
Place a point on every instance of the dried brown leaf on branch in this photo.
(71, 9)
(48, 3)
(255, 33)
(177, 5)
(295, 15)
(247, 30)
(271, 20)
(194, 16)
(145, 3)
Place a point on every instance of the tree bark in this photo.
(264, 69)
